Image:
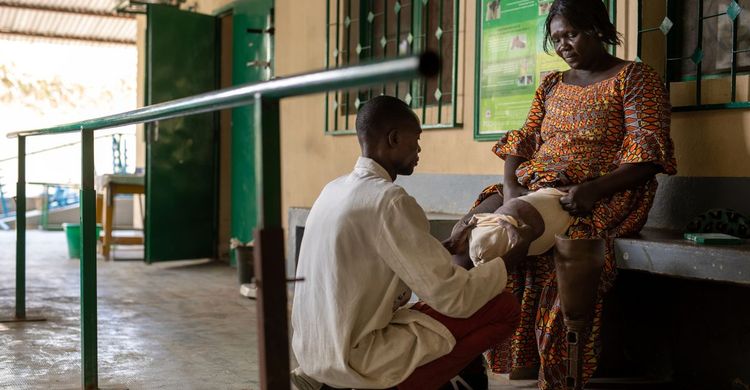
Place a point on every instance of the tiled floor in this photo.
(178, 325)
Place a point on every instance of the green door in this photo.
(253, 62)
(181, 153)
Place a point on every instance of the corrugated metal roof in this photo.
(79, 20)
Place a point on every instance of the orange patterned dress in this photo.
(574, 134)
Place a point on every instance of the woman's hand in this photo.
(580, 199)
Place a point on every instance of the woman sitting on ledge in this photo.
(600, 133)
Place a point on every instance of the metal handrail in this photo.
(341, 78)
(269, 249)
(57, 147)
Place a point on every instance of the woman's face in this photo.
(578, 49)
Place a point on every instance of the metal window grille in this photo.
(696, 41)
(364, 30)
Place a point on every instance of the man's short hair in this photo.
(381, 114)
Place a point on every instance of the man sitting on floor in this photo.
(366, 247)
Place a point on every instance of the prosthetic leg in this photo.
(579, 265)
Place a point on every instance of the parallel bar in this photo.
(273, 343)
(454, 81)
(89, 367)
(412, 89)
(717, 106)
(371, 49)
(336, 97)
(667, 77)
(440, 72)
(699, 65)
(44, 218)
(347, 59)
(21, 231)
(612, 8)
(398, 42)
(59, 146)
(348, 77)
(733, 66)
(385, 35)
(423, 32)
(328, 56)
(639, 38)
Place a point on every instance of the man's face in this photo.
(406, 153)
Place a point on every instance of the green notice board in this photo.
(511, 63)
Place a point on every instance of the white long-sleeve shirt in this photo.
(366, 243)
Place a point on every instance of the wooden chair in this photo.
(112, 185)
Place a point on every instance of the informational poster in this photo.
(511, 63)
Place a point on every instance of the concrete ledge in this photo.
(654, 251)
(678, 199)
(667, 253)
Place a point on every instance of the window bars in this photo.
(359, 31)
(685, 54)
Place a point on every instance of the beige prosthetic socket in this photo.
(556, 220)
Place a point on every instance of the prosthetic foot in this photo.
(579, 265)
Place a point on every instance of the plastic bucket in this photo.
(73, 236)
(244, 256)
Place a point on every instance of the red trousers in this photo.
(491, 324)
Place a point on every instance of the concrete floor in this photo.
(175, 325)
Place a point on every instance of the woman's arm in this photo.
(580, 198)
(511, 188)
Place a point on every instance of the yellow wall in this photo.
(311, 159)
(708, 143)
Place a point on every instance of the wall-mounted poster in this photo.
(511, 63)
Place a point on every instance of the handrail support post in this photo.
(271, 298)
(21, 231)
(20, 312)
(89, 374)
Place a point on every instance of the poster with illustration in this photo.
(510, 63)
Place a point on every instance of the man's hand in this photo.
(520, 239)
(579, 200)
(458, 242)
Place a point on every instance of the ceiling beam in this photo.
(65, 10)
(33, 34)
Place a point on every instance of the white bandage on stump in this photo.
(490, 239)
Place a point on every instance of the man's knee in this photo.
(507, 309)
